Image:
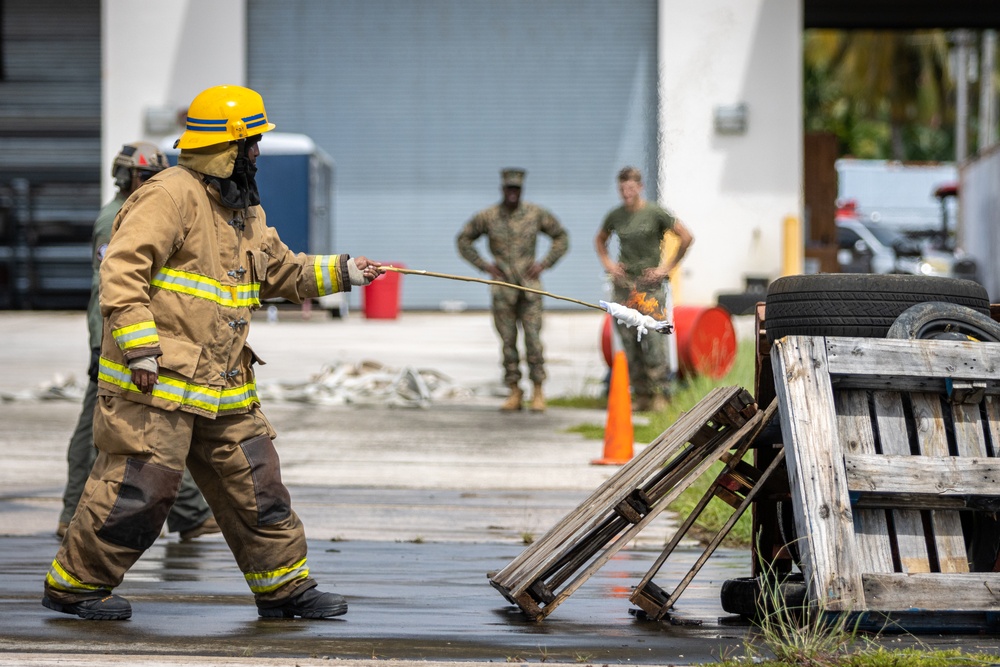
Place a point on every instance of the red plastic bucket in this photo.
(380, 299)
(706, 340)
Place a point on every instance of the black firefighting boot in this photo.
(311, 603)
(106, 608)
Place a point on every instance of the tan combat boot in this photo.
(513, 402)
(537, 400)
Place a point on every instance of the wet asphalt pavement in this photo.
(406, 511)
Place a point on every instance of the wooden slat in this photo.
(928, 416)
(993, 422)
(897, 361)
(978, 591)
(854, 426)
(817, 477)
(916, 475)
(911, 542)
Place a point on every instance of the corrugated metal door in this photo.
(420, 104)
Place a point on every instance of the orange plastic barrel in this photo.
(706, 340)
(380, 299)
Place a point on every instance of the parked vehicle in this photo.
(865, 247)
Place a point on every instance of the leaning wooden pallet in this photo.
(737, 484)
(888, 443)
(552, 568)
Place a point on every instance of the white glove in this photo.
(356, 275)
(144, 364)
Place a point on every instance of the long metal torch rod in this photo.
(448, 276)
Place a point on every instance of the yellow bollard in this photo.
(793, 255)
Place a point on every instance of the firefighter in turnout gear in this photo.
(190, 259)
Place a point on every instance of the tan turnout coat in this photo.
(182, 276)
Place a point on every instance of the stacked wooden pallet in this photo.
(893, 467)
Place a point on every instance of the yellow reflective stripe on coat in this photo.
(327, 281)
(59, 579)
(140, 334)
(183, 393)
(192, 284)
(265, 582)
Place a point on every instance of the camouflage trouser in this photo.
(648, 366)
(134, 482)
(511, 306)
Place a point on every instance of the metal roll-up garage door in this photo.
(420, 104)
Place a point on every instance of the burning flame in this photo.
(646, 305)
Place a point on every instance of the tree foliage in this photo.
(885, 95)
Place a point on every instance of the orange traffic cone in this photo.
(618, 432)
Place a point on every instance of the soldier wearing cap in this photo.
(512, 228)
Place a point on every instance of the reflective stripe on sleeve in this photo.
(192, 284)
(140, 334)
(327, 279)
(265, 582)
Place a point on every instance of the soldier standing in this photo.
(512, 228)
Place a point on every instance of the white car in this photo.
(864, 247)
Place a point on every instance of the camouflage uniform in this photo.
(512, 239)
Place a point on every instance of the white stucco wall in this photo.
(732, 191)
(160, 55)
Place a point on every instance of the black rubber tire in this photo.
(936, 320)
(743, 596)
(860, 305)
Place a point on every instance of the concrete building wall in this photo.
(156, 56)
(732, 190)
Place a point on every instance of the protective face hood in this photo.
(215, 160)
(227, 167)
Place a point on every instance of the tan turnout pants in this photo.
(143, 451)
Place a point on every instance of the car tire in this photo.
(752, 597)
(860, 305)
(937, 320)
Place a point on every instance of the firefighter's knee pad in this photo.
(144, 499)
(270, 495)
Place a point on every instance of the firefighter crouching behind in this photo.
(190, 259)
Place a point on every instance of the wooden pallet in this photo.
(888, 443)
(738, 485)
(552, 568)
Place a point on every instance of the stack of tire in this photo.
(862, 306)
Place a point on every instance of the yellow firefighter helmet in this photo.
(222, 114)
